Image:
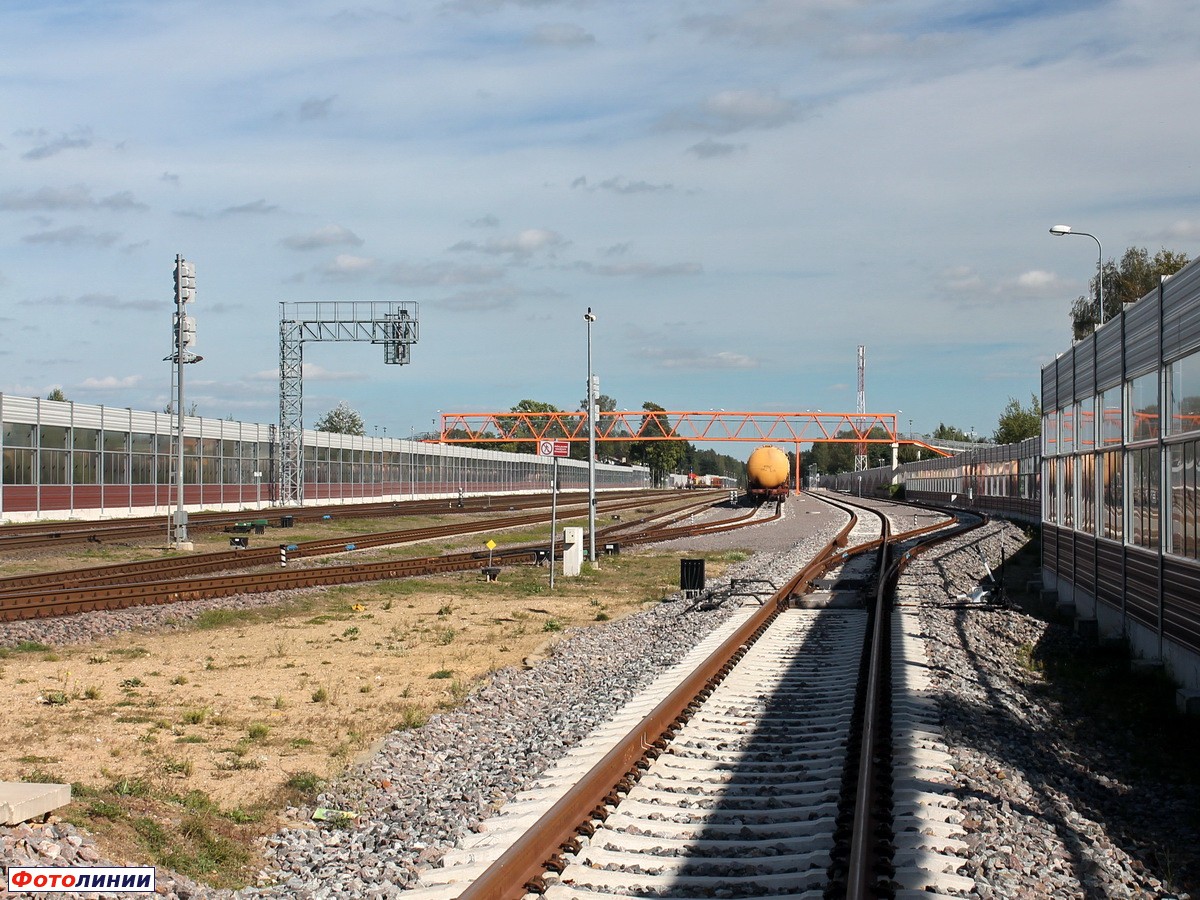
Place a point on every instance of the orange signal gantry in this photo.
(670, 425)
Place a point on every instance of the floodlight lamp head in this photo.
(1060, 229)
(589, 316)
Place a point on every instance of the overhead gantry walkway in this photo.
(687, 425)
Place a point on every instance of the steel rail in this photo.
(16, 536)
(506, 878)
(860, 862)
(67, 600)
(152, 570)
(863, 860)
(242, 559)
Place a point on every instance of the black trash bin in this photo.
(691, 575)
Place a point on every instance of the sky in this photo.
(743, 191)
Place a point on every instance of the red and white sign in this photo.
(554, 448)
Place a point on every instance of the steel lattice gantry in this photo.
(393, 324)
(668, 425)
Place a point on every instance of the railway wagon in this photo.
(767, 472)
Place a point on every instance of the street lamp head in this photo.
(589, 316)
(1060, 229)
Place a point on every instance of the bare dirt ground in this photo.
(235, 713)
(236, 704)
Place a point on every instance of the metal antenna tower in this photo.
(392, 324)
(860, 449)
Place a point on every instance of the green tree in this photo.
(827, 458)
(660, 456)
(946, 432)
(57, 394)
(341, 420)
(604, 449)
(520, 432)
(1134, 277)
(1017, 423)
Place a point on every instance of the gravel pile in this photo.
(1045, 814)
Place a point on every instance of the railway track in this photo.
(42, 535)
(182, 579)
(750, 769)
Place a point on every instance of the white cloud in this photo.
(309, 371)
(441, 273)
(109, 383)
(315, 108)
(523, 244)
(561, 35)
(1039, 281)
(1182, 230)
(689, 361)
(79, 139)
(73, 235)
(329, 236)
(617, 185)
(479, 301)
(710, 149)
(256, 207)
(75, 197)
(313, 372)
(729, 111)
(647, 269)
(346, 266)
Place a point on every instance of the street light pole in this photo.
(590, 317)
(1059, 231)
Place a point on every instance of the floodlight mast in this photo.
(184, 334)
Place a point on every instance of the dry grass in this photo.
(185, 744)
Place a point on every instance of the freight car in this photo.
(767, 472)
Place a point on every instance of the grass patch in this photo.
(223, 618)
(130, 652)
(306, 784)
(25, 647)
(1027, 660)
(194, 716)
(412, 717)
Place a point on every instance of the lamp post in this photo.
(1059, 231)
(590, 317)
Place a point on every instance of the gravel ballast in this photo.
(1046, 813)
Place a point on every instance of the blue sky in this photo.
(744, 192)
